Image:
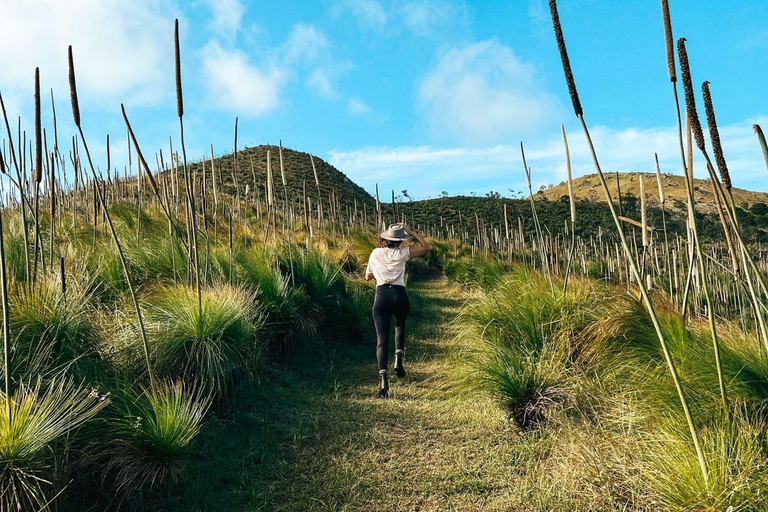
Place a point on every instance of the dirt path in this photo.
(313, 437)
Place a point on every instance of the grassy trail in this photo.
(314, 437)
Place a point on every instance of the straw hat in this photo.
(396, 233)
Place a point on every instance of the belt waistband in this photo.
(389, 285)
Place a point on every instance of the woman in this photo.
(387, 265)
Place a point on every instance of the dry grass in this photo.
(588, 188)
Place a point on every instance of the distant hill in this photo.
(252, 162)
(459, 212)
(592, 216)
(589, 188)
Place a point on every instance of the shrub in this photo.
(209, 344)
(152, 437)
(30, 423)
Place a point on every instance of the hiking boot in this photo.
(383, 384)
(399, 370)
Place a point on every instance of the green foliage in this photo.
(288, 309)
(51, 329)
(483, 273)
(736, 464)
(30, 423)
(522, 335)
(207, 344)
(152, 439)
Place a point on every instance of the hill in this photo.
(252, 166)
(589, 188)
(592, 217)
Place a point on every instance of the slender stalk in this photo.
(22, 195)
(187, 177)
(38, 170)
(695, 126)
(663, 202)
(761, 139)
(6, 322)
(633, 265)
(572, 202)
(123, 263)
(539, 233)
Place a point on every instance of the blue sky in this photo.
(423, 95)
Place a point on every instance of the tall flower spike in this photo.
(714, 136)
(73, 90)
(761, 139)
(669, 41)
(690, 100)
(564, 58)
(38, 133)
(179, 99)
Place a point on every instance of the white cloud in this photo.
(482, 93)
(369, 13)
(305, 43)
(426, 170)
(321, 81)
(357, 107)
(236, 85)
(227, 17)
(429, 18)
(123, 49)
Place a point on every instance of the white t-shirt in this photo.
(387, 265)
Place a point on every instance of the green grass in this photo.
(313, 436)
(209, 344)
(37, 418)
(150, 441)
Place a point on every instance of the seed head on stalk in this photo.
(177, 53)
(761, 139)
(38, 135)
(282, 169)
(714, 136)
(633, 265)
(669, 41)
(658, 180)
(73, 89)
(690, 100)
(564, 58)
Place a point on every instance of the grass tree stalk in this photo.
(187, 177)
(286, 217)
(38, 171)
(537, 226)
(572, 202)
(633, 265)
(123, 263)
(722, 167)
(6, 322)
(761, 140)
(698, 136)
(152, 183)
(22, 195)
(663, 202)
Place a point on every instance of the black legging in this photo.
(390, 300)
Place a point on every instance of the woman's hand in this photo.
(406, 228)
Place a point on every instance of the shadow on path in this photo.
(314, 437)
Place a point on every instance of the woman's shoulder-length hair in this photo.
(389, 244)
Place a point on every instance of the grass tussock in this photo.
(151, 440)
(31, 423)
(586, 368)
(209, 343)
(52, 330)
